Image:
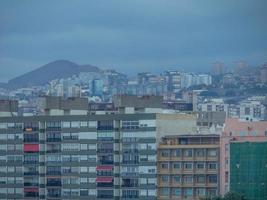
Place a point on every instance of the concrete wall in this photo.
(175, 124)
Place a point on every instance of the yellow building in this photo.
(188, 167)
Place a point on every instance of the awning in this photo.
(104, 168)
(31, 147)
(104, 179)
(31, 190)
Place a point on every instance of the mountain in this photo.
(54, 70)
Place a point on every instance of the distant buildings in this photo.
(8, 108)
(263, 73)
(247, 110)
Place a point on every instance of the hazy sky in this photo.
(131, 35)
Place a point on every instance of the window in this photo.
(165, 153)
(75, 124)
(84, 192)
(200, 179)
(3, 147)
(164, 191)
(92, 146)
(84, 180)
(200, 191)
(188, 191)
(2, 158)
(151, 181)
(84, 124)
(177, 179)
(176, 191)
(188, 179)
(200, 153)
(212, 178)
(3, 136)
(151, 146)
(66, 124)
(212, 165)
(247, 111)
(212, 152)
(176, 153)
(164, 166)
(70, 147)
(188, 153)
(200, 165)
(130, 125)
(142, 146)
(188, 165)
(2, 180)
(176, 165)
(164, 178)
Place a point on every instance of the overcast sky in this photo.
(131, 35)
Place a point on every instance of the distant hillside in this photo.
(54, 70)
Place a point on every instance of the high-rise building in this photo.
(173, 81)
(218, 68)
(188, 167)
(78, 157)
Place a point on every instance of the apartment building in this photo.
(236, 130)
(78, 157)
(188, 167)
(8, 108)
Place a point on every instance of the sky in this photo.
(131, 35)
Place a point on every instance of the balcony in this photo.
(53, 151)
(54, 195)
(31, 140)
(31, 173)
(105, 151)
(104, 185)
(53, 128)
(30, 184)
(105, 196)
(53, 139)
(53, 173)
(30, 162)
(30, 129)
(54, 183)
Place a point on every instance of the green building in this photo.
(248, 169)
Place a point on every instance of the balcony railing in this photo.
(31, 184)
(54, 184)
(53, 172)
(53, 139)
(31, 173)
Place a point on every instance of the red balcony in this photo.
(104, 168)
(31, 147)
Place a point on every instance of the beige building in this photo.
(188, 167)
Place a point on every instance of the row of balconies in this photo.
(185, 158)
(182, 184)
(188, 171)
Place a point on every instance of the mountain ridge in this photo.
(53, 70)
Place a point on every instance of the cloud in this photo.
(133, 35)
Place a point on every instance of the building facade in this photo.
(188, 167)
(78, 157)
(248, 173)
(237, 131)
